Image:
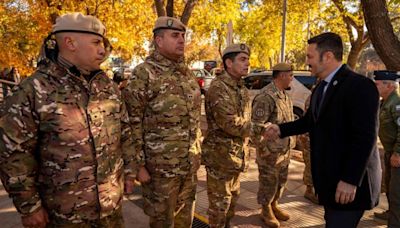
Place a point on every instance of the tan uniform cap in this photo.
(236, 48)
(169, 23)
(282, 67)
(77, 22)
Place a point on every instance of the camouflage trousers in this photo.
(273, 172)
(114, 220)
(169, 201)
(305, 144)
(223, 192)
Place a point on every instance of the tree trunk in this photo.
(381, 33)
(170, 8)
(187, 12)
(159, 7)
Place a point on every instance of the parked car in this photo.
(300, 87)
(204, 79)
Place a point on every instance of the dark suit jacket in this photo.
(343, 140)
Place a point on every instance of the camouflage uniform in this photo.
(389, 134)
(275, 106)
(164, 104)
(225, 149)
(65, 144)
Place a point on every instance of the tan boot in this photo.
(279, 213)
(268, 217)
(310, 195)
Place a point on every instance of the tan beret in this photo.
(169, 23)
(236, 48)
(77, 22)
(282, 67)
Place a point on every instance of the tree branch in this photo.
(170, 8)
(159, 7)
(187, 12)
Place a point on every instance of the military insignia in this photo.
(242, 47)
(335, 83)
(398, 121)
(260, 112)
(95, 26)
(170, 22)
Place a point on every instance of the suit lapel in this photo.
(332, 87)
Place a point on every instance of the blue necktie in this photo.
(320, 95)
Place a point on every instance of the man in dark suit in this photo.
(342, 122)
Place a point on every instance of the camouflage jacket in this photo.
(164, 104)
(228, 109)
(275, 106)
(389, 123)
(64, 145)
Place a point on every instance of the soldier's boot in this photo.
(384, 215)
(279, 213)
(268, 217)
(310, 195)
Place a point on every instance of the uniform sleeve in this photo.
(262, 108)
(18, 139)
(128, 148)
(135, 97)
(225, 113)
(396, 117)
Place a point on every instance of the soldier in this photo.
(164, 105)
(65, 137)
(389, 134)
(273, 105)
(225, 149)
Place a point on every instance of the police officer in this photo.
(274, 105)
(225, 148)
(389, 134)
(65, 137)
(164, 104)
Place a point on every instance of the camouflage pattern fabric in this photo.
(65, 144)
(225, 149)
(304, 140)
(115, 220)
(275, 106)
(228, 111)
(164, 104)
(169, 202)
(223, 193)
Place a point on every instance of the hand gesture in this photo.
(271, 132)
(37, 219)
(143, 175)
(345, 193)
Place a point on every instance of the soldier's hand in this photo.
(129, 185)
(37, 219)
(143, 175)
(345, 193)
(395, 160)
(271, 132)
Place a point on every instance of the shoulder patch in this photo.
(398, 121)
(259, 112)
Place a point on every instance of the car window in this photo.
(257, 81)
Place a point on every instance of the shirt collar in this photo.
(330, 76)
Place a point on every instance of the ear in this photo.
(157, 40)
(328, 56)
(229, 63)
(70, 43)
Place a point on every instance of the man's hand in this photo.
(395, 160)
(37, 219)
(129, 186)
(345, 193)
(143, 175)
(271, 132)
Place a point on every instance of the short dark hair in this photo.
(230, 56)
(328, 41)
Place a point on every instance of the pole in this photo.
(283, 31)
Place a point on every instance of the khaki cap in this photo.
(282, 67)
(236, 48)
(77, 22)
(169, 23)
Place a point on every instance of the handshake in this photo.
(271, 132)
